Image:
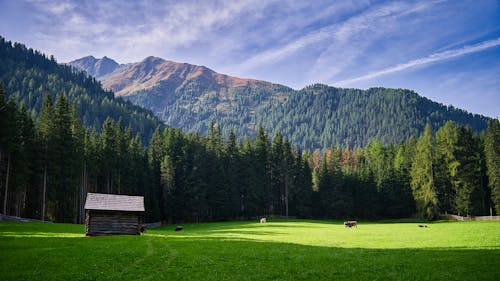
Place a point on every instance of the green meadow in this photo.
(277, 250)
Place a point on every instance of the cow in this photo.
(263, 220)
(422, 225)
(179, 228)
(351, 224)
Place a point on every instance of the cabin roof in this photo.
(114, 202)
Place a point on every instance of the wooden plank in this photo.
(109, 223)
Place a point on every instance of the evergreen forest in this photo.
(62, 136)
(317, 116)
(49, 164)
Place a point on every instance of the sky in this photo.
(447, 51)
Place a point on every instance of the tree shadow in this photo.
(226, 258)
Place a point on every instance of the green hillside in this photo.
(28, 75)
(314, 117)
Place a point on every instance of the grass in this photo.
(278, 250)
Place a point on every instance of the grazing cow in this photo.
(179, 228)
(351, 224)
(263, 220)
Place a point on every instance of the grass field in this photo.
(278, 250)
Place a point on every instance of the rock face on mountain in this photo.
(153, 70)
(98, 68)
(190, 97)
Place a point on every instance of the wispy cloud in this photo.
(350, 42)
(337, 34)
(133, 30)
(433, 58)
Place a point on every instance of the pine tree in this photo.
(108, 153)
(11, 147)
(467, 179)
(446, 165)
(64, 181)
(155, 157)
(78, 162)
(263, 192)
(277, 173)
(422, 176)
(46, 131)
(492, 155)
(233, 173)
(167, 184)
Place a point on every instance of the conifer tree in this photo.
(446, 165)
(155, 157)
(492, 155)
(467, 179)
(422, 176)
(64, 183)
(108, 148)
(46, 132)
(262, 190)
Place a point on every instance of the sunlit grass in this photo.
(277, 250)
(473, 235)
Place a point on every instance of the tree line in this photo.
(48, 165)
(311, 118)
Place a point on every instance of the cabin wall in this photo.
(112, 222)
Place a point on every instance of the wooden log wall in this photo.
(112, 222)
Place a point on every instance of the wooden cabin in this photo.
(109, 214)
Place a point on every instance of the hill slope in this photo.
(28, 75)
(190, 97)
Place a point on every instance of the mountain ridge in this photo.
(150, 71)
(97, 68)
(29, 75)
(190, 97)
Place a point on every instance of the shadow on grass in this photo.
(157, 257)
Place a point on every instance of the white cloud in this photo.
(436, 57)
(335, 38)
(130, 31)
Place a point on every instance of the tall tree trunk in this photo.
(76, 206)
(6, 186)
(82, 179)
(109, 182)
(44, 194)
(0, 165)
(120, 181)
(83, 188)
(286, 196)
(242, 204)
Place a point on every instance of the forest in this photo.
(48, 164)
(28, 75)
(315, 117)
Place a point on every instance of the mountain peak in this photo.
(88, 58)
(153, 59)
(152, 71)
(98, 68)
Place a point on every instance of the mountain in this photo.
(97, 68)
(28, 75)
(190, 97)
(153, 71)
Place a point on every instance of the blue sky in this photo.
(448, 51)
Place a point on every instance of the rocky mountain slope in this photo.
(98, 68)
